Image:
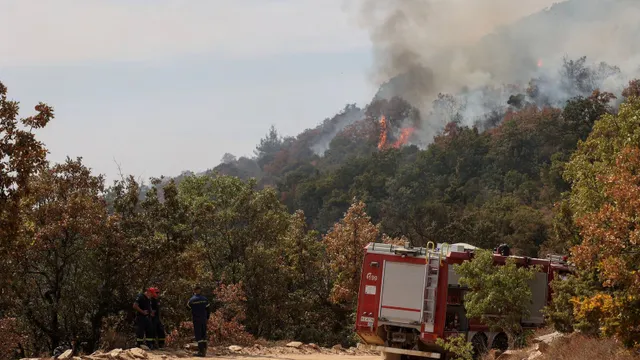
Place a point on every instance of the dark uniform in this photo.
(156, 323)
(143, 322)
(200, 313)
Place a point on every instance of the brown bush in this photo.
(180, 336)
(225, 325)
(580, 347)
(11, 345)
(115, 333)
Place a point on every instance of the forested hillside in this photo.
(548, 165)
(492, 182)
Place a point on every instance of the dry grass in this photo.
(571, 347)
(580, 347)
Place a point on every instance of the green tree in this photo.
(499, 296)
(21, 156)
(239, 232)
(611, 249)
(67, 221)
(595, 157)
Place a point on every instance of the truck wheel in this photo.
(479, 342)
(500, 342)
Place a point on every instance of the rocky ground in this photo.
(290, 351)
(540, 345)
(545, 347)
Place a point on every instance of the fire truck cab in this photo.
(411, 296)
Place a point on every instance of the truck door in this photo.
(402, 293)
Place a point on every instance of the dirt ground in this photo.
(295, 357)
(305, 352)
(317, 356)
(255, 352)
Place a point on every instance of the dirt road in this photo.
(297, 357)
(286, 356)
(256, 352)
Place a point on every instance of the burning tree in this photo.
(402, 137)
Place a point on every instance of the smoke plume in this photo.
(473, 48)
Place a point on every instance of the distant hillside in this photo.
(486, 161)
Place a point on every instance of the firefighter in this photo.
(156, 322)
(200, 313)
(142, 306)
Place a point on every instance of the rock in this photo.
(191, 346)
(126, 355)
(337, 347)
(549, 338)
(534, 355)
(294, 344)
(181, 353)
(508, 355)
(138, 353)
(543, 347)
(314, 347)
(115, 353)
(235, 348)
(94, 356)
(66, 355)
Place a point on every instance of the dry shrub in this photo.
(181, 336)
(580, 347)
(115, 332)
(225, 325)
(399, 241)
(12, 339)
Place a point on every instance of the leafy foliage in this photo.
(604, 187)
(345, 244)
(458, 346)
(498, 295)
(21, 156)
(611, 239)
(225, 325)
(11, 334)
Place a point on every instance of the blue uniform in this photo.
(200, 313)
(144, 332)
(156, 323)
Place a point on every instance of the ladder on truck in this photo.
(432, 272)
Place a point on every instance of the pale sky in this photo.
(163, 86)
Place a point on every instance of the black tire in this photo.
(500, 342)
(479, 342)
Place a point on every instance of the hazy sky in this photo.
(163, 86)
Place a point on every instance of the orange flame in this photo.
(383, 133)
(405, 134)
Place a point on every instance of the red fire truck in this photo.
(410, 296)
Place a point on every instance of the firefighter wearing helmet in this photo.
(157, 328)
